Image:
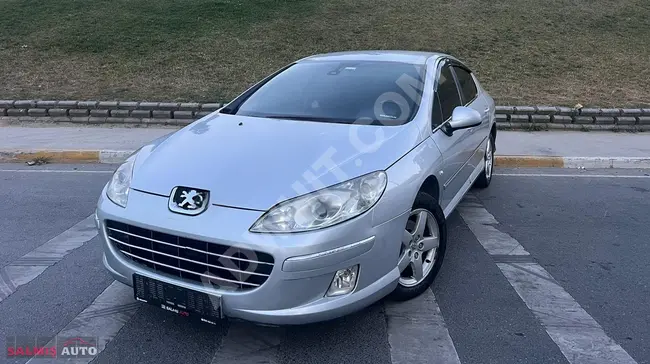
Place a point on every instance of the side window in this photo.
(467, 85)
(448, 93)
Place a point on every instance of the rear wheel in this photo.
(424, 241)
(484, 179)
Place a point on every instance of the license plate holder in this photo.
(181, 301)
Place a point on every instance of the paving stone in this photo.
(514, 118)
(97, 119)
(610, 112)
(7, 104)
(202, 114)
(87, 104)
(141, 114)
(67, 104)
(148, 105)
(107, 105)
(127, 105)
(546, 110)
(119, 113)
(505, 109)
(211, 107)
(16, 112)
(25, 104)
(78, 113)
(644, 120)
(183, 115)
(161, 114)
(561, 119)
(47, 104)
(566, 111)
(583, 119)
(525, 110)
(99, 113)
(604, 119)
(171, 106)
(57, 112)
(540, 118)
(37, 112)
(589, 112)
(189, 106)
(625, 120)
(631, 112)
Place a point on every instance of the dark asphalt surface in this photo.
(591, 234)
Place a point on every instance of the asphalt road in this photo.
(588, 229)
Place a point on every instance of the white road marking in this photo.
(249, 344)
(417, 332)
(566, 175)
(53, 171)
(32, 264)
(580, 338)
(103, 319)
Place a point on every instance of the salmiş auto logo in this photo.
(59, 347)
(77, 347)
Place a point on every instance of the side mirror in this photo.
(463, 118)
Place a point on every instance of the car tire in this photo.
(409, 287)
(484, 179)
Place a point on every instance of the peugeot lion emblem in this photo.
(189, 201)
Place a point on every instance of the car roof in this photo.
(411, 57)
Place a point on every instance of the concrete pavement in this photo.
(571, 149)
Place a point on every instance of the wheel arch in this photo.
(431, 187)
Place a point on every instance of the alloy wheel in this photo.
(489, 159)
(420, 242)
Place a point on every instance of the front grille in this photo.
(222, 265)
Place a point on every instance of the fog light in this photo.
(344, 281)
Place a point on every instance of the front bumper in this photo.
(305, 263)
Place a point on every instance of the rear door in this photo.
(455, 148)
(472, 98)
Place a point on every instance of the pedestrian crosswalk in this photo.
(34, 263)
(388, 332)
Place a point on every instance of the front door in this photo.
(473, 99)
(456, 148)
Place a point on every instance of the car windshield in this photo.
(365, 92)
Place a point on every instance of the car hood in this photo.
(254, 163)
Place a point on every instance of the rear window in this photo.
(467, 85)
(384, 93)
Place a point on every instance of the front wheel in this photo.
(483, 180)
(424, 241)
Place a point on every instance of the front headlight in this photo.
(325, 207)
(118, 187)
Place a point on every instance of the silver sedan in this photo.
(318, 191)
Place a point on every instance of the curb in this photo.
(145, 113)
(513, 161)
(65, 156)
(507, 161)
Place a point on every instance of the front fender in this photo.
(405, 177)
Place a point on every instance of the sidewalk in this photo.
(514, 148)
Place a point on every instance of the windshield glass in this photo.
(366, 92)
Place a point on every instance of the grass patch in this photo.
(560, 52)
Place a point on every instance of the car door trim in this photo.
(464, 164)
